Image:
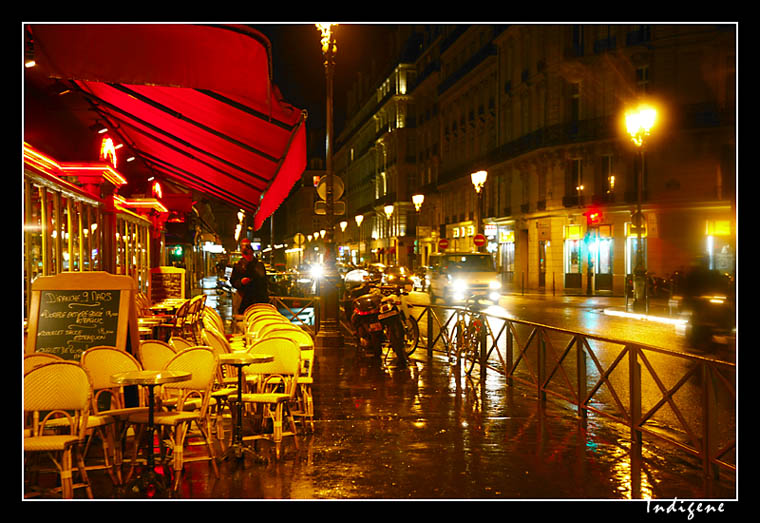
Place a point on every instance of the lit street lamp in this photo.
(417, 200)
(359, 219)
(329, 334)
(478, 181)
(639, 123)
(388, 209)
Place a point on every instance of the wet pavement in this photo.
(426, 432)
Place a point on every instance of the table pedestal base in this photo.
(238, 451)
(148, 484)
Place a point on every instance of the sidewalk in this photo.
(424, 432)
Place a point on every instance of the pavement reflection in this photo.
(424, 432)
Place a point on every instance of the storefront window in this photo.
(572, 256)
(631, 251)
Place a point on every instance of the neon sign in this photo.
(108, 151)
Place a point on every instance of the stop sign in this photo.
(443, 244)
(479, 240)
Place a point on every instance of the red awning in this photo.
(195, 102)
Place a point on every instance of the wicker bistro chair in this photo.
(176, 326)
(108, 399)
(180, 344)
(202, 363)
(304, 402)
(241, 319)
(36, 359)
(51, 390)
(276, 390)
(154, 354)
(210, 319)
(225, 383)
(254, 326)
(192, 324)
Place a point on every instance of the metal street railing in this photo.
(685, 400)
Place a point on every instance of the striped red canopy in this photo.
(195, 102)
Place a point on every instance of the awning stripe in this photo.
(185, 119)
(240, 179)
(197, 183)
(131, 116)
(253, 112)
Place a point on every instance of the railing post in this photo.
(634, 370)
(430, 331)
(541, 371)
(483, 349)
(509, 356)
(581, 376)
(709, 425)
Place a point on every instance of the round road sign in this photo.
(479, 240)
(443, 244)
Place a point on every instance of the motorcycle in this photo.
(377, 316)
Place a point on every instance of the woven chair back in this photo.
(59, 387)
(154, 354)
(38, 358)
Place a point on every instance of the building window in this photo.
(577, 40)
(575, 102)
(642, 79)
(608, 176)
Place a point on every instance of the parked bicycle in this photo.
(463, 346)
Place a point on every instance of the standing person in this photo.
(249, 277)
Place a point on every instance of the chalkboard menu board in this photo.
(167, 283)
(71, 321)
(71, 312)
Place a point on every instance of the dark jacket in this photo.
(256, 290)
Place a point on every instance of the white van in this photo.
(457, 276)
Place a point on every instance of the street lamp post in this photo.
(359, 219)
(388, 209)
(417, 200)
(329, 334)
(639, 123)
(479, 180)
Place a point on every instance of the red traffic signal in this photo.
(593, 217)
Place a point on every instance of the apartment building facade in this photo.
(541, 108)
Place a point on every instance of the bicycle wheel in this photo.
(460, 342)
(411, 335)
(472, 353)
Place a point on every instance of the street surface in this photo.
(587, 314)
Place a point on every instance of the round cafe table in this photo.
(148, 481)
(239, 360)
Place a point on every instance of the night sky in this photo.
(298, 64)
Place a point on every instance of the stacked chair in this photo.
(191, 327)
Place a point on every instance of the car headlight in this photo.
(494, 285)
(459, 286)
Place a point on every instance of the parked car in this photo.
(457, 276)
(397, 275)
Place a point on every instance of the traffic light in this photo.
(593, 217)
